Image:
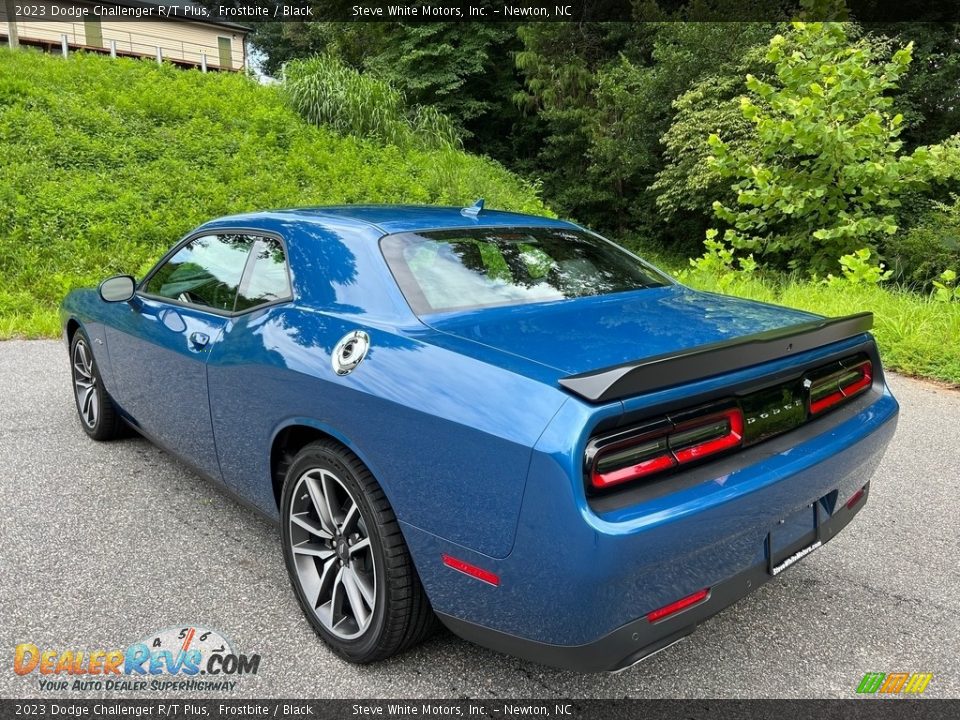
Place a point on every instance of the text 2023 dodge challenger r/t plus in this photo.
(505, 422)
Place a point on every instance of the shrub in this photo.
(919, 255)
(327, 92)
(105, 163)
(946, 289)
(859, 268)
(827, 172)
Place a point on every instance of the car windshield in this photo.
(445, 270)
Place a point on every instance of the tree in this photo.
(827, 170)
(603, 92)
(929, 97)
(686, 186)
(465, 70)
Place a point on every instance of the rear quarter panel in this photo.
(448, 437)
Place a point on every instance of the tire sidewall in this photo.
(312, 458)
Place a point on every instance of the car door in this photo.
(159, 348)
(247, 375)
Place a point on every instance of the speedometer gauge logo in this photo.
(185, 639)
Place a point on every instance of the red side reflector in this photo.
(471, 570)
(855, 498)
(681, 604)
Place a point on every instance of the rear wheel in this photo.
(347, 560)
(98, 415)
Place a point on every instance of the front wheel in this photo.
(98, 415)
(348, 563)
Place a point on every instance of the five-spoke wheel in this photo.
(331, 548)
(348, 563)
(98, 416)
(85, 384)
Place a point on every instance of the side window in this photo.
(207, 272)
(267, 279)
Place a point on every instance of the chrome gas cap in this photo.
(350, 352)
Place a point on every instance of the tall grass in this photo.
(105, 163)
(327, 92)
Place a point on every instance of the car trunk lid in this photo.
(585, 334)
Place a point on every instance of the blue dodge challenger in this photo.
(502, 422)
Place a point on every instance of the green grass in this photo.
(917, 335)
(105, 163)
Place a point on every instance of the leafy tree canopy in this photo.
(827, 171)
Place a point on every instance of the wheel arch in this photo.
(70, 329)
(293, 435)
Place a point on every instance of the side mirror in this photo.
(119, 288)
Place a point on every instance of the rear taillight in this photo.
(827, 392)
(647, 453)
(703, 437)
(668, 442)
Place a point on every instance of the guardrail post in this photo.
(64, 45)
(13, 39)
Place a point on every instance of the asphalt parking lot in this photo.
(101, 544)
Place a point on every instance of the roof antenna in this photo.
(474, 209)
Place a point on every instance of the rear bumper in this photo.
(641, 638)
(581, 578)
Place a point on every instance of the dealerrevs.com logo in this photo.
(894, 683)
(182, 658)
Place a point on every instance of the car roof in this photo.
(400, 218)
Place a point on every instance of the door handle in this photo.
(199, 340)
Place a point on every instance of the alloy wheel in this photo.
(331, 548)
(85, 385)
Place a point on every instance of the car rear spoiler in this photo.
(704, 361)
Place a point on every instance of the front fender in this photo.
(86, 309)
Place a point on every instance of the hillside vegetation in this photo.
(105, 163)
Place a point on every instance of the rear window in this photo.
(446, 270)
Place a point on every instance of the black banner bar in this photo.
(247, 12)
(854, 709)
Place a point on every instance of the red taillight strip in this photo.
(734, 435)
(647, 467)
(471, 570)
(678, 605)
(844, 391)
(681, 455)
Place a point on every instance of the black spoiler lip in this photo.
(703, 361)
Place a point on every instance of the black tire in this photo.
(401, 615)
(95, 409)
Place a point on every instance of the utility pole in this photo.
(13, 39)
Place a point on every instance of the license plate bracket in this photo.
(794, 538)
